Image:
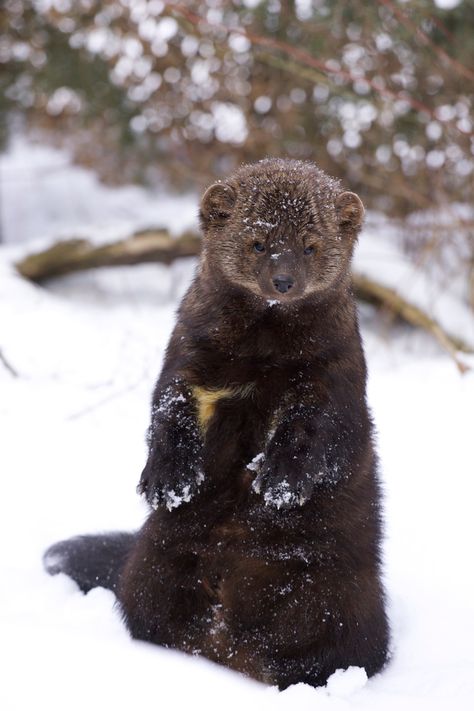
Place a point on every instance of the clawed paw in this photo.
(284, 482)
(172, 496)
(283, 494)
(162, 485)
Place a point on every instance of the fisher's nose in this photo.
(283, 283)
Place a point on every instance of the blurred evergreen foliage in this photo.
(378, 93)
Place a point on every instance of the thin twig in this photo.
(3, 359)
(104, 401)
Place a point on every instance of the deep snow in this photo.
(87, 350)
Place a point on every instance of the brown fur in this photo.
(271, 569)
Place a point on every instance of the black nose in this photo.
(283, 283)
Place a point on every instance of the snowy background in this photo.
(86, 350)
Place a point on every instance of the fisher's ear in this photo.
(216, 205)
(350, 213)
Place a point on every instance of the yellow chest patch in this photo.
(207, 400)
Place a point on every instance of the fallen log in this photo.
(384, 297)
(79, 254)
(159, 246)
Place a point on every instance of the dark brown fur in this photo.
(272, 570)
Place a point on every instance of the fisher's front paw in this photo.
(286, 476)
(173, 473)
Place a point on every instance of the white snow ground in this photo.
(87, 350)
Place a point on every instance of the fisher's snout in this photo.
(283, 283)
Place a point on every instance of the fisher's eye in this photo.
(308, 250)
(259, 247)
